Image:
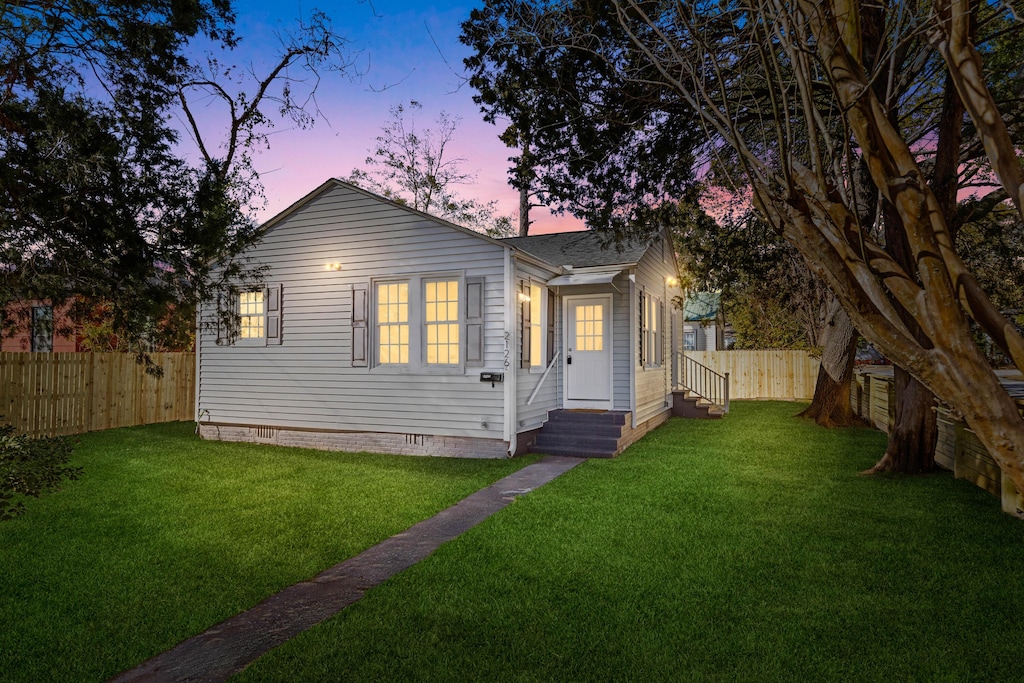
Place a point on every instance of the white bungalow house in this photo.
(384, 329)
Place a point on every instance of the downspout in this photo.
(199, 346)
(666, 362)
(508, 356)
(633, 348)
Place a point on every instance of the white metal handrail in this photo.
(543, 377)
(702, 381)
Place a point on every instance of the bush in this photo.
(30, 467)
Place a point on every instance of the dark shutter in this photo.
(525, 336)
(273, 314)
(643, 342)
(218, 314)
(474, 322)
(552, 313)
(360, 332)
(661, 334)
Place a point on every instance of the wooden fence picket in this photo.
(57, 394)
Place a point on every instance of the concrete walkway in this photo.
(230, 646)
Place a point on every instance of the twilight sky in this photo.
(399, 60)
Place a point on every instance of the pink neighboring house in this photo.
(41, 334)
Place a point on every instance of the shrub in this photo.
(30, 467)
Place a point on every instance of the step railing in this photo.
(701, 381)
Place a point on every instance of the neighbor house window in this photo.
(42, 329)
(441, 317)
(393, 323)
(252, 312)
(690, 340)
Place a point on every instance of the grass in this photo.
(742, 550)
(165, 535)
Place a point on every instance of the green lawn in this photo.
(165, 535)
(741, 550)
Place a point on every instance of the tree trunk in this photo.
(911, 448)
(831, 406)
(524, 211)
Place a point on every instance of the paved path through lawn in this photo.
(230, 646)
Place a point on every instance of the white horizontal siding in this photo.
(307, 381)
(620, 336)
(534, 415)
(653, 384)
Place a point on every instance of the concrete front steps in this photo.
(684, 404)
(591, 433)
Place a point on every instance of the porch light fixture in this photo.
(671, 281)
(334, 267)
(523, 297)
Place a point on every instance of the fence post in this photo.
(727, 392)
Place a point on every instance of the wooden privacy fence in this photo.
(872, 396)
(768, 374)
(56, 394)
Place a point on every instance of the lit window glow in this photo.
(393, 323)
(252, 315)
(536, 327)
(442, 322)
(590, 328)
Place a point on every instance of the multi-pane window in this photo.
(536, 326)
(690, 340)
(252, 314)
(590, 328)
(42, 329)
(650, 330)
(441, 318)
(393, 323)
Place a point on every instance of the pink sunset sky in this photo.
(404, 51)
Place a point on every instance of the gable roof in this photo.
(332, 183)
(581, 249)
(702, 306)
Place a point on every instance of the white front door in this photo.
(588, 352)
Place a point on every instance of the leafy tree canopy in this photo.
(414, 166)
(607, 149)
(97, 204)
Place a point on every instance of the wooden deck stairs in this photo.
(688, 405)
(586, 433)
(700, 393)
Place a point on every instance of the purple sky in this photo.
(400, 62)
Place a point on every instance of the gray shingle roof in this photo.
(578, 249)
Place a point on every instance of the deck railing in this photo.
(702, 381)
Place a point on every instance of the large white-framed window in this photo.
(419, 323)
(392, 323)
(651, 335)
(252, 315)
(538, 326)
(441, 321)
(259, 316)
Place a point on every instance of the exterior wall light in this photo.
(332, 266)
(671, 281)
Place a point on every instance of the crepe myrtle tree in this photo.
(801, 182)
(783, 98)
